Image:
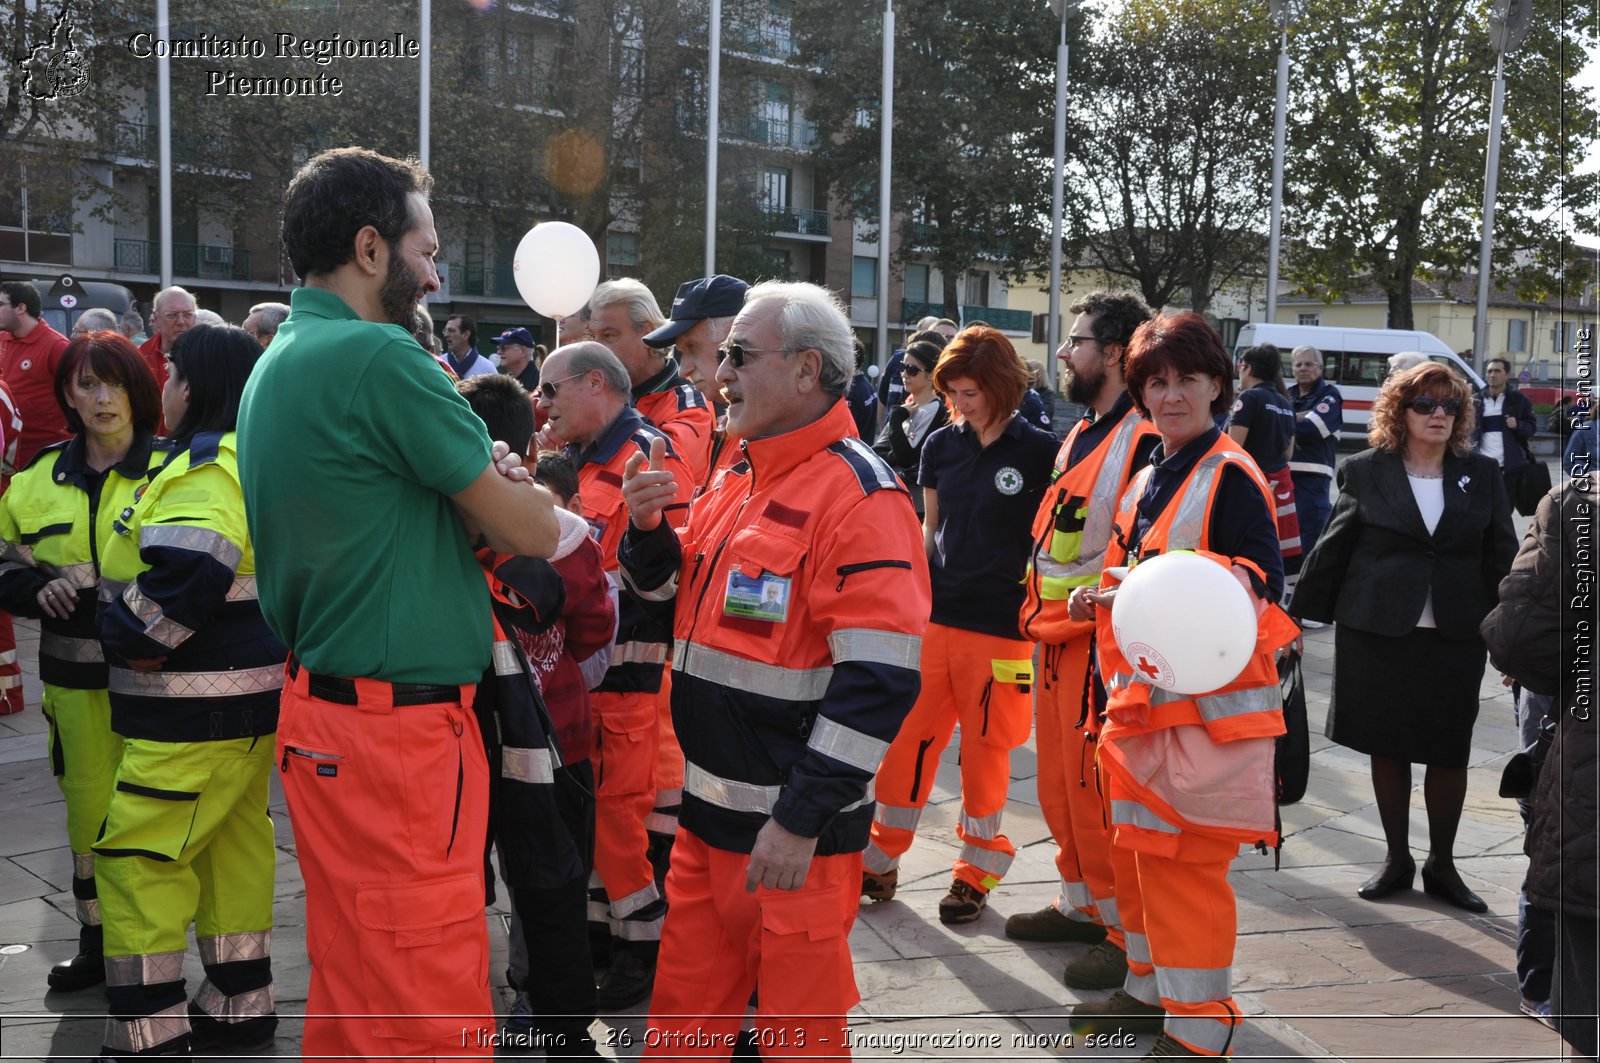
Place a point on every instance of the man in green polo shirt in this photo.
(361, 468)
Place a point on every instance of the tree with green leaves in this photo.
(974, 106)
(1170, 146)
(1385, 170)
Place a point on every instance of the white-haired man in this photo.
(263, 321)
(799, 591)
(172, 314)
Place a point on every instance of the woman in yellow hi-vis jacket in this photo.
(195, 676)
(54, 522)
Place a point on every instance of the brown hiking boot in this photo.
(877, 887)
(963, 904)
(1048, 924)
(1103, 967)
(1121, 1012)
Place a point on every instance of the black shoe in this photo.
(1389, 880)
(82, 971)
(1452, 892)
(207, 1036)
(629, 980)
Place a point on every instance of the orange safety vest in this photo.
(1179, 762)
(1073, 527)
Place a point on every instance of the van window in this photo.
(1454, 366)
(1363, 368)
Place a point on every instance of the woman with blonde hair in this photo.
(1408, 566)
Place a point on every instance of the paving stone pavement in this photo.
(1319, 973)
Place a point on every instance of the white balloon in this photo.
(1184, 623)
(556, 268)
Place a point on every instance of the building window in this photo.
(630, 69)
(775, 190)
(917, 283)
(1516, 335)
(777, 114)
(863, 278)
(622, 254)
(692, 98)
(976, 291)
(1308, 319)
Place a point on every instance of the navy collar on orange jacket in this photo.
(777, 455)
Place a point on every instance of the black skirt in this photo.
(1413, 698)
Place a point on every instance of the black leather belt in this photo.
(343, 691)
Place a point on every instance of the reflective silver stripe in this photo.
(669, 798)
(635, 901)
(1074, 895)
(664, 593)
(1311, 468)
(1210, 1035)
(253, 1004)
(1135, 488)
(1194, 985)
(111, 589)
(197, 684)
(150, 1032)
(742, 796)
(235, 948)
(986, 827)
(1119, 682)
(635, 930)
(997, 864)
(1188, 526)
(505, 660)
(1316, 419)
(767, 680)
(535, 766)
(1109, 913)
(89, 911)
(876, 647)
(1142, 987)
(1223, 706)
(1138, 948)
(846, 744)
(897, 817)
(880, 471)
(639, 653)
(661, 822)
(877, 861)
(599, 911)
(1136, 815)
(8, 657)
(198, 540)
(157, 626)
(153, 969)
(83, 865)
(81, 575)
(67, 648)
(243, 589)
(1101, 510)
(22, 555)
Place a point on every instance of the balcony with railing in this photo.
(813, 225)
(776, 132)
(207, 261)
(1001, 318)
(141, 140)
(495, 281)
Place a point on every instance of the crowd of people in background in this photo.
(674, 621)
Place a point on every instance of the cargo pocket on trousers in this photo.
(152, 821)
(805, 944)
(424, 948)
(1010, 708)
(627, 730)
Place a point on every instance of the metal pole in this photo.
(1279, 135)
(425, 80)
(164, 141)
(713, 114)
(1491, 178)
(885, 152)
(1057, 195)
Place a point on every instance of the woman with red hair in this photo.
(982, 479)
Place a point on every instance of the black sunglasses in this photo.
(739, 354)
(907, 369)
(1425, 406)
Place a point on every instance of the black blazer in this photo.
(1375, 563)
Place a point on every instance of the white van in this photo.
(1354, 359)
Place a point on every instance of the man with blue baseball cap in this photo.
(516, 357)
(702, 312)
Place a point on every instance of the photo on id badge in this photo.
(764, 597)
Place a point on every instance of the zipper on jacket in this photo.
(846, 571)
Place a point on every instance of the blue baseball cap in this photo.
(719, 296)
(515, 335)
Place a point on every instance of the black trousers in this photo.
(1575, 1000)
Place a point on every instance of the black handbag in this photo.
(1293, 760)
(1533, 486)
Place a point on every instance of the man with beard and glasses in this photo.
(1070, 533)
(368, 481)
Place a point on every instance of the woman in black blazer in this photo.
(1408, 567)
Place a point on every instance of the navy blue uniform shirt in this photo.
(1241, 523)
(1270, 419)
(1316, 435)
(1100, 427)
(987, 497)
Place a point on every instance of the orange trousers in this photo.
(958, 686)
(791, 946)
(1069, 789)
(1182, 923)
(10, 669)
(626, 742)
(390, 808)
(663, 817)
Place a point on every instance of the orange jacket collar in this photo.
(776, 455)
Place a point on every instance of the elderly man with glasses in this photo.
(263, 321)
(171, 315)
